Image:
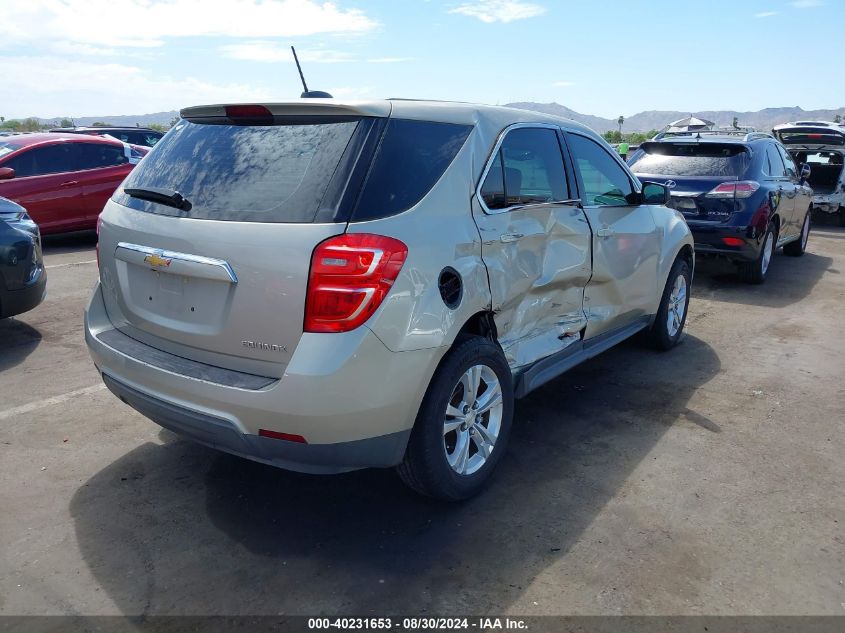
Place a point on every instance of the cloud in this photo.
(504, 11)
(564, 84)
(765, 14)
(50, 86)
(266, 51)
(807, 4)
(390, 60)
(147, 23)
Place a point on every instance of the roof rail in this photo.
(757, 135)
(747, 134)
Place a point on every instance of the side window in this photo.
(493, 189)
(528, 168)
(41, 161)
(411, 158)
(605, 182)
(791, 169)
(97, 155)
(775, 164)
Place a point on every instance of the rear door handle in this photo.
(511, 237)
(70, 183)
(605, 232)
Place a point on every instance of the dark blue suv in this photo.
(741, 194)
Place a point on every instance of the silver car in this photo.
(326, 286)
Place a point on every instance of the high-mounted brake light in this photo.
(350, 276)
(248, 112)
(741, 189)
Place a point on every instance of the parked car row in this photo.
(64, 180)
(268, 269)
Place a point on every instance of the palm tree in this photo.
(620, 121)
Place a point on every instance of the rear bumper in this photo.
(353, 400)
(710, 240)
(19, 301)
(221, 434)
(827, 203)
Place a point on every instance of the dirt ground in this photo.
(708, 480)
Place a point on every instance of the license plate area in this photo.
(168, 302)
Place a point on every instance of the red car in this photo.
(63, 180)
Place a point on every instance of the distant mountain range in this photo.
(640, 122)
(763, 120)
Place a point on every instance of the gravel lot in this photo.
(708, 480)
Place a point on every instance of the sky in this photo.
(602, 57)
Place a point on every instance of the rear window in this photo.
(281, 173)
(699, 159)
(411, 158)
(247, 173)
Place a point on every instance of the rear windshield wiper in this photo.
(169, 197)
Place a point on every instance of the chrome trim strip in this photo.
(182, 257)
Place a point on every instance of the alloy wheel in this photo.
(677, 306)
(473, 420)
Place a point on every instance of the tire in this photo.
(668, 327)
(799, 246)
(438, 438)
(755, 272)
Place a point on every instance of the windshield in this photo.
(248, 173)
(693, 159)
(7, 147)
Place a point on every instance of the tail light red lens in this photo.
(350, 276)
(741, 189)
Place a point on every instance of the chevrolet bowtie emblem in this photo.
(157, 260)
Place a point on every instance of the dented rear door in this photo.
(535, 245)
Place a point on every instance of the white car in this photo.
(821, 145)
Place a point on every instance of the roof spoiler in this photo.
(309, 108)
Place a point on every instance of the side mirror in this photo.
(805, 172)
(6, 173)
(654, 193)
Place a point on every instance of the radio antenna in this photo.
(307, 94)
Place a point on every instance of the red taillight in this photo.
(733, 241)
(98, 241)
(248, 112)
(289, 437)
(741, 189)
(350, 276)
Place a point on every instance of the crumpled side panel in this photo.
(537, 280)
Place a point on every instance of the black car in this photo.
(23, 280)
(132, 135)
(742, 195)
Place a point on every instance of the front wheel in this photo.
(799, 246)
(463, 425)
(668, 326)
